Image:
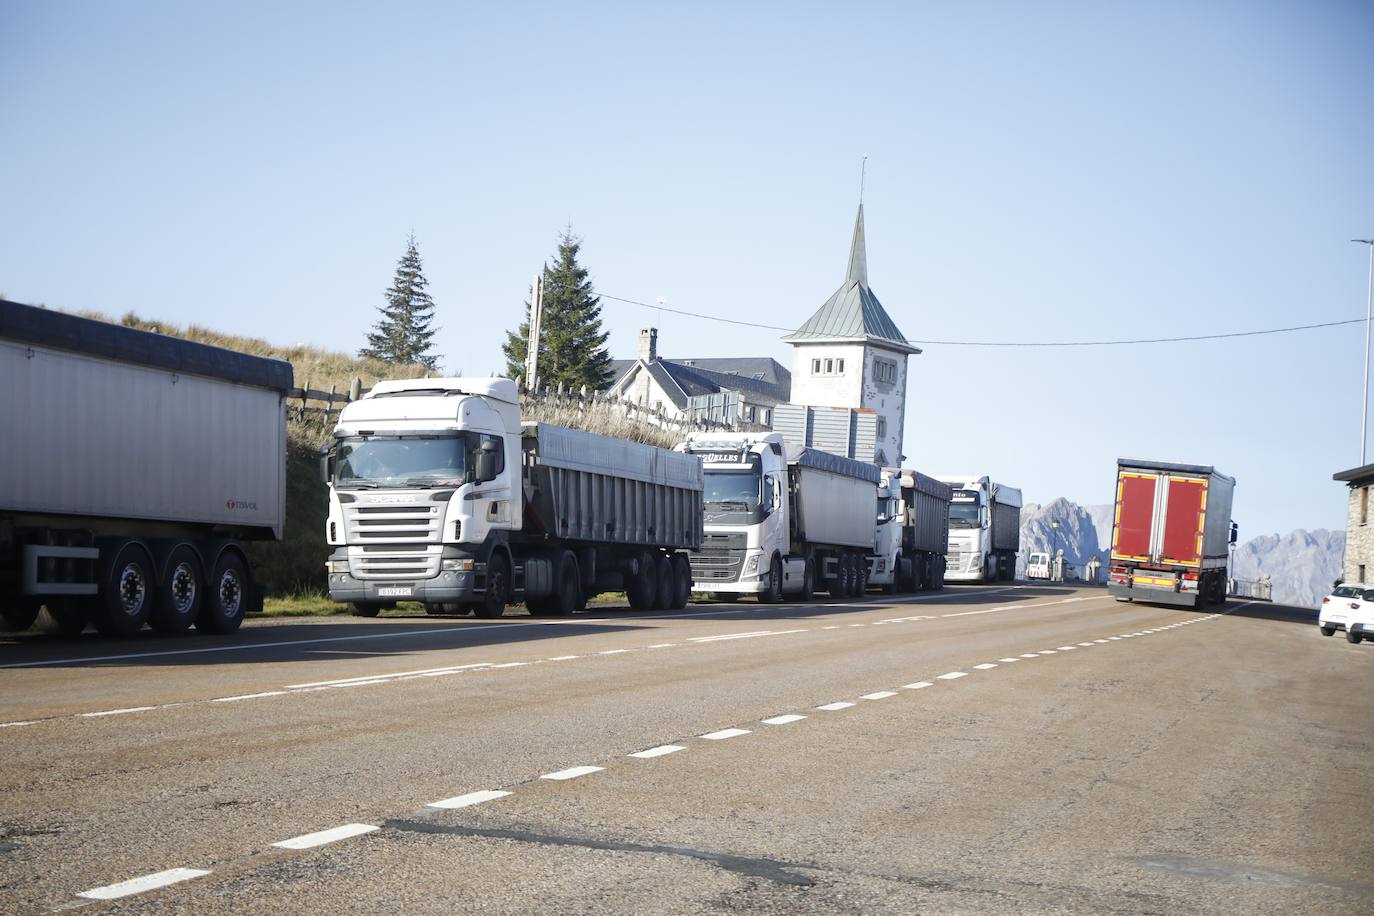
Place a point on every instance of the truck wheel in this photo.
(364, 608)
(126, 597)
(641, 587)
(568, 588)
(497, 591)
(682, 581)
(859, 570)
(937, 574)
(226, 596)
(1328, 631)
(1353, 636)
(839, 582)
(774, 593)
(808, 590)
(179, 594)
(665, 583)
(20, 613)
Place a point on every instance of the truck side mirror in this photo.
(487, 461)
(326, 465)
(1235, 532)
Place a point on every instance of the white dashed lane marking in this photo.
(952, 675)
(251, 696)
(1030, 655)
(984, 666)
(472, 798)
(880, 695)
(115, 712)
(783, 720)
(919, 685)
(1009, 660)
(831, 707)
(141, 885)
(725, 733)
(323, 837)
(660, 751)
(571, 773)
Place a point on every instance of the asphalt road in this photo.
(1026, 749)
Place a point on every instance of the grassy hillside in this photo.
(296, 564)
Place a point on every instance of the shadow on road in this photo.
(278, 641)
(1262, 610)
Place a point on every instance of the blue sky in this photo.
(1036, 172)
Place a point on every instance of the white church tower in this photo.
(851, 354)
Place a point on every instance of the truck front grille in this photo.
(402, 563)
(720, 558)
(393, 524)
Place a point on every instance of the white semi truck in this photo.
(438, 493)
(781, 520)
(132, 466)
(913, 532)
(984, 530)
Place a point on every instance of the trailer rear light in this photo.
(1190, 577)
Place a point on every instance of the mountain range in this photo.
(1302, 565)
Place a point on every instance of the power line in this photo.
(1010, 343)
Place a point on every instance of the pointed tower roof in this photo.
(853, 314)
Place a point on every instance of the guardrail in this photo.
(1261, 589)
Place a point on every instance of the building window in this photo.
(839, 367)
(884, 371)
(1364, 506)
(829, 367)
(1362, 574)
(750, 412)
(882, 427)
(767, 417)
(815, 367)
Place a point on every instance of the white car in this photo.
(1349, 608)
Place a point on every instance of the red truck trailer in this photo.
(1170, 533)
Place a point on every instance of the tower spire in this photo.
(858, 254)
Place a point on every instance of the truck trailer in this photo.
(984, 530)
(132, 466)
(913, 532)
(1171, 530)
(781, 519)
(438, 493)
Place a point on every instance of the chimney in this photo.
(648, 344)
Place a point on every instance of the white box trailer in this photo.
(132, 466)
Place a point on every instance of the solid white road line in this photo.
(15, 724)
(725, 636)
(141, 885)
(472, 798)
(612, 651)
(725, 733)
(659, 751)
(116, 712)
(919, 685)
(880, 695)
(572, 773)
(952, 675)
(985, 666)
(395, 674)
(663, 645)
(783, 720)
(250, 696)
(322, 837)
(831, 707)
(562, 658)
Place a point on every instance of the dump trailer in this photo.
(1171, 529)
(781, 519)
(132, 467)
(984, 530)
(913, 532)
(439, 493)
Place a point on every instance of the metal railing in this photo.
(1261, 589)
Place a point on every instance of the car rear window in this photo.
(1346, 591)
(1368, 594)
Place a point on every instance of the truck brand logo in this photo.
(728, 457)
(232, 504)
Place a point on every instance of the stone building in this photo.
(1359, 533)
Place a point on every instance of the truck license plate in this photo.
(395, 591)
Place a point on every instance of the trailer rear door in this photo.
(1135, 515)
(1184, 521)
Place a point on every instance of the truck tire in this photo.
(497, 590)
(20, 612)
(180, 592)
(1353, 636)
(567, 587)
(937, 574)
(665, 583)
(364, 608)
(682, 581)
(226, 595)
(773, 595)
(839, 582)
(126, 595)
(641, 586)
(859, 567)
(808, 589)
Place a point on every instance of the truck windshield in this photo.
(963, 515)
(401, 461)
(733, 496)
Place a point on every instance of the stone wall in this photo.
(1359, 534)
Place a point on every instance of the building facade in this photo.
(851, 354)
(1359, 533)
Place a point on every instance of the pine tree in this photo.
(403, 333)
(572, 346)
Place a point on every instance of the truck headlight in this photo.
(456, 565)
(751, 565)
(337, 566)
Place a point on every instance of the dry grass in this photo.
(595, 417)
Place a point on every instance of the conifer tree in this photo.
(403, 333)
(572, 346)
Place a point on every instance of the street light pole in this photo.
(1368, 307)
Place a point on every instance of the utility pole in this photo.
(1368, 306)
(532, 345)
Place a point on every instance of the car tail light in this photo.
(1354, 605)
(1326, 599)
